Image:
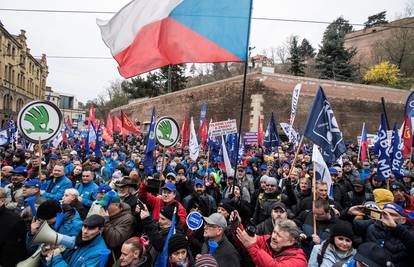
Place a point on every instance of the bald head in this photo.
(6, 171)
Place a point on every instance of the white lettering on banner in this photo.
(220, 128)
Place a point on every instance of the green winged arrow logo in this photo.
(166, 130)
(39, 118)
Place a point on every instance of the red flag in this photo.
(106, 136)
(117, 125)
(185, 133)
(407, 137)
(64, 137)
(203, 132)
(109, 126)
(260, 131)
(364, 144)
(124, 133)
(128, 125)
(91, 117)
(68, 122)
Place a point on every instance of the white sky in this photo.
(62, 34)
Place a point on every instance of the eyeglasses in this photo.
(270, 185)
(210, 226)
(170, 178)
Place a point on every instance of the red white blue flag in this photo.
(148, 34)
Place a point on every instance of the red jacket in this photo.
(263, 255)
(156, 203)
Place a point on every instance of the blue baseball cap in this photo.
(169, 186)
(198, 182)
(395, 207)
(333, 171)
(32, 183)
(54, 156)
(20, 170)
(103, 189)
(263, 167)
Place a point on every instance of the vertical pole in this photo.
(40, 159)
(246, 63)
(169, 79)
(385, 112)
(314, 197)
(360, 144)
(296, 156)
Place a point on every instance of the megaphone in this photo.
(32, 261)
(49, 236)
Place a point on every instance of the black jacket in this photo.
(225, 254)
(12, 238)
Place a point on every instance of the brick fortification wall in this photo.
(353, 104)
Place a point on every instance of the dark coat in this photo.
(12, 238)
(225, 254)
(399, 242)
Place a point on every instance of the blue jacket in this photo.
(58, 188)
(88, 255)
(69, 168)
(87, 192)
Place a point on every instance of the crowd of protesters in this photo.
(265, 214)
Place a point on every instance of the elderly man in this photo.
(6, 175)
(31, 189)
(225, 253)
(15, 189)
(279, 249)
(127, 189)
(119, 222)
(89, 247)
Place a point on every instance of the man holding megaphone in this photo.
(67, 223)
(89, 250)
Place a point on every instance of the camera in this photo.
(251, 230)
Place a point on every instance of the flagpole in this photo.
(246, 63)
(314, 196)
(296, 155)
(360, 145)
(40, 159)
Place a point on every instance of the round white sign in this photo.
(167, 132)
(39, 120)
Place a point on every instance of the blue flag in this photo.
(397, 159)
(271, 138)
(322, 128)
(149, 149)
(409, 105)
(162, 258)
(384, 167)
(99, 142)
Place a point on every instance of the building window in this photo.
(7, 102)
(19, 104)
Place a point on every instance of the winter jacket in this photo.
(265, 228)
(87, 192)
(14, 195)
(12, 238)
(69, 168)
(83, 255)
(205, 203)
(331, 256)
(157, 204)
(118, 227)
(263, 255)
(225, 254)
(56, 190)
(399, 242)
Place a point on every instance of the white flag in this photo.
(286, 127)
(3, 137)
(295, 100)
(58, 139)
(193, 145)
(227, 163)
(322, 170)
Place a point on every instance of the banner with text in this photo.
(220, 128)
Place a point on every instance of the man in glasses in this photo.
(225, 253)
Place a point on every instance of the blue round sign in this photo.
(194, 221)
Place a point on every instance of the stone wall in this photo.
(353, 104)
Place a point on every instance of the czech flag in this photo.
(364, 144)
(148, 34)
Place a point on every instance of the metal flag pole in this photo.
(246, 63)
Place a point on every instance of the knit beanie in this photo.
(168, 211)
(383, 196)
(342, 228)
(48, 210)
(225, 204)
(176, 242)
(206, 260)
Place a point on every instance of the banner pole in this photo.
(246, 64)
(296, 156)
(40, 159)
(360, 144)
(314, 197)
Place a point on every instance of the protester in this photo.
(133, 254)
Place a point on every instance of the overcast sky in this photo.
(58, 34)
